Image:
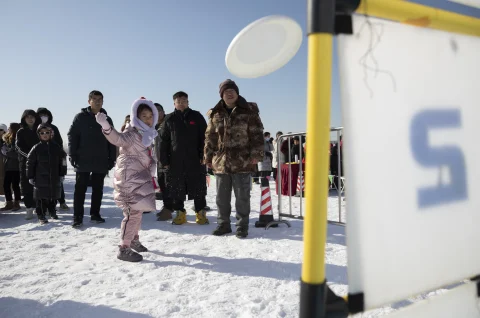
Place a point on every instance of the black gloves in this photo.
(73, 161)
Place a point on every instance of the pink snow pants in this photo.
(131, 224)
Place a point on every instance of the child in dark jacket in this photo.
(46, 169)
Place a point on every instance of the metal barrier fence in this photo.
(338, 182)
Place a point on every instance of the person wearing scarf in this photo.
(135, 173)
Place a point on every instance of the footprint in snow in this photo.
(46, 246)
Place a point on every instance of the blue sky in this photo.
(54, 52)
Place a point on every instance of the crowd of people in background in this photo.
(153, 156)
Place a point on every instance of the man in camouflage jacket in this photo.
(233, 147)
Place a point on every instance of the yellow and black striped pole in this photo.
(320, 24)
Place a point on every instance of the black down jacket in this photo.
(11, 159)
(26, 138)
(181, 143)
(87, 146)
(46, 163)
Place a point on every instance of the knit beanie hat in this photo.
(228, 83)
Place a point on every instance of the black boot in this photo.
(222, 230)
(242, 232)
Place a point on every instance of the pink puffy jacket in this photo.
(133, 172)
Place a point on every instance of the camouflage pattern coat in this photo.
(233, 142)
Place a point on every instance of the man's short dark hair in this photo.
(94, 93)
(266, 134)
(160, 107)
(180, 94)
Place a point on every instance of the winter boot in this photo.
(42, 219)
(29, 215)
(242, 232)
(202, 217)
(64, 207)
(181, 218)
(96, 219)
(8, 206)
(137, 246)
(222, 229)
(53, 215)
(164, 214)
(77, 223)
(16, 206)
(126, 254)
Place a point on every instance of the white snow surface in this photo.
(54, 270)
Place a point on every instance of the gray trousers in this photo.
(240, 183)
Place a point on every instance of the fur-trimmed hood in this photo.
(136, 104)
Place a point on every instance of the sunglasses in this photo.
(44, 133)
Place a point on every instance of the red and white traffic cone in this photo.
(300, 184)
(266, 211)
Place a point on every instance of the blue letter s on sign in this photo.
(429, 157)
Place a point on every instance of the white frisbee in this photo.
(263, 46)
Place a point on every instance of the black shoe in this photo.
(97, 219)
(222, 230)
(42, 220)
(53, 215)
(77, 223)
(242, 232)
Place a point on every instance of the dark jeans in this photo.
(62, 196)
(275, 171)
(200, 203)
(43, 205)
(26, 189)
(81, 185)
(12, 181)
(240, 183)
(162, 182)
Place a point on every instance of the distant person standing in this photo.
(46, 168)
(47, 118)
(27, 138)
(92, 156)
(167, 209)
(234, 144)
(12, 169)
(182, 139)
(3, 131)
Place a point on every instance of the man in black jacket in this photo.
(182, 139)
(47, 119)
(92, 156)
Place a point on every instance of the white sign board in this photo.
(411, 115)
(460, 302)
(470, 3)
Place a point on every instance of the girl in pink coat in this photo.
(135, 171)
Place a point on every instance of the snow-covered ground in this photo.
(57, 271)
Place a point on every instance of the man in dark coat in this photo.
(27, 138)
(182, 139)
(92, 156)
(167, 209)
(46, 168)
(47, 118)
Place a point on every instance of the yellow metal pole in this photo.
(420, 15)
(313, 293)
(318, 136)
